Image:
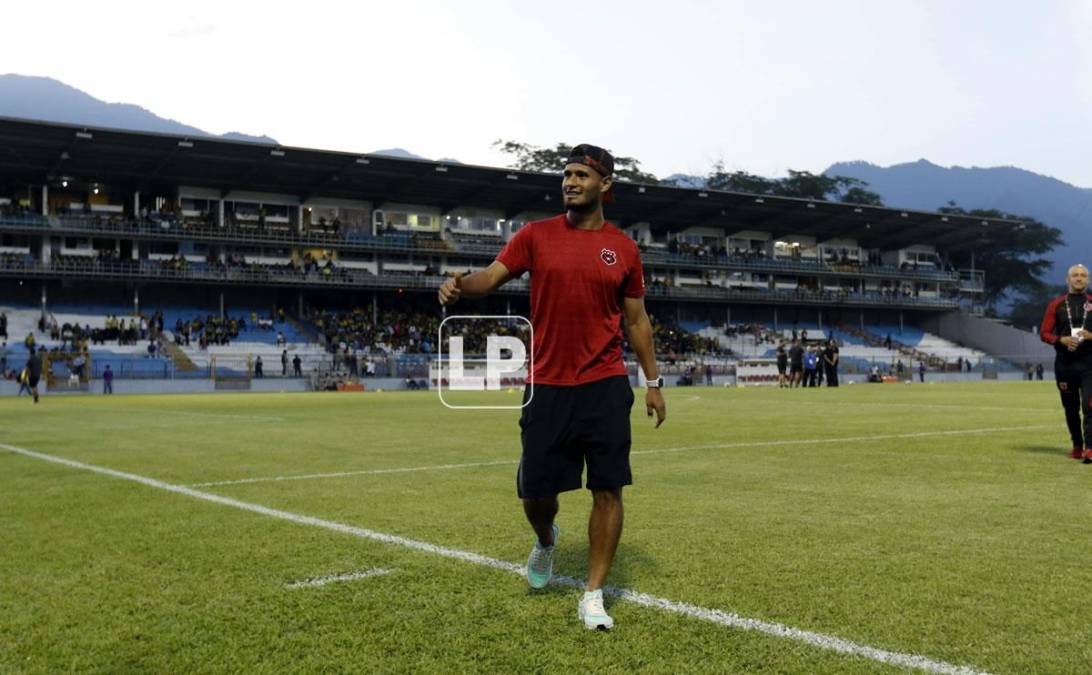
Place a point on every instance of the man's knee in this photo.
(540, 503)
(607, 498)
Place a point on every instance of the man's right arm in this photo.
(1046, 327)
(474, 285)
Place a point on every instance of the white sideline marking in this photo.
(351, 576)
(362, 472)
(846, 439)
(748, 444)
(892, 404)
(226, 416)
(717, 616)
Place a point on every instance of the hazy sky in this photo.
(763, 86)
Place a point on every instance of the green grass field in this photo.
(947, 523)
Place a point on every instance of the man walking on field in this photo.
(1065, 326)
(586, 279)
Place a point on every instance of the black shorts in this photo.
(32, 382)
(564, 427)
(797, 368)
(781, 369)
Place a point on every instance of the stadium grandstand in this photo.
(196, 264)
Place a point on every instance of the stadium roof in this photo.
(33, 153)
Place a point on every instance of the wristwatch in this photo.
(655, 384)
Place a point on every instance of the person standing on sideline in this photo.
(921, 372)
(1065, 327)
(811, 366)
(830, 362)
(34, 373)
(586, 280)
(259, 370)
(107, 380)
(284, 363)
(796, 363)
(782, 366)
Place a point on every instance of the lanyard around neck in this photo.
(1084, 314)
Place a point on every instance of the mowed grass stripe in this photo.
(720, 617)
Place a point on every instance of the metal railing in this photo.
(345, 278)
(173, 230)
(775, 265)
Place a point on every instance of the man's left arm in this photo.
(639, 329)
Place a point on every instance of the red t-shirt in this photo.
(578, 280)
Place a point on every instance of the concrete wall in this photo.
(992, 337)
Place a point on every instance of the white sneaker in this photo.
(540, 564)
(592, 613)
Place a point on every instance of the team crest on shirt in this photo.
(608, 256)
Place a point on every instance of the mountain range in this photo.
(926, 186)
(46, 99)
(920, 185)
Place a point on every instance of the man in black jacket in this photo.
(34, 372)
(830, 362)
(1065, 326)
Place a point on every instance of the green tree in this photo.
(859, 195)
(799, 184)
(1027, 310)
(738, 181)
(527, 157)
(1009, 254)
(807, 185)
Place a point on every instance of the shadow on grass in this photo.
(1045, 450)
(572, 561)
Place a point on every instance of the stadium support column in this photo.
(299, 218)
(220, 213)
(136, 205)
(862, 320)
(900, 322)
(727, 316)
(375, 310)
(136, 301)
(45, 201)
(44, 310)
(775, 326)
(221, 304)
(820, 313)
